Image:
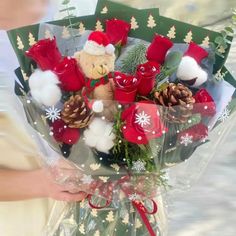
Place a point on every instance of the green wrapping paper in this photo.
(120, 217)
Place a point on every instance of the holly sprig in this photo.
(222, 42)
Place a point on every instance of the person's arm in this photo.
(22, 185)
(17, 13)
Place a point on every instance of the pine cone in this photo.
(179, 101)
(75, 113)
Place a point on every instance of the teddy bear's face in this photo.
(95, 67)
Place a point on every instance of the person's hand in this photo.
(62, 181)
(49, 187)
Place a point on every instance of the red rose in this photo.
(204, 103)
(142, 123)
(45, 53)
(197, 132)
(70, 75)
(147, 75)
(158, 49)
(125, 87)
(117, 31)
(63, 134)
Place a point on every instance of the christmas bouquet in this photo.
(123, 102)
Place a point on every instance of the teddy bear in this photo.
(97, 62)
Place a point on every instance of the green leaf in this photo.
(219, 40)
(223, 33)
(65, 2)
(213, 46)
(68, 9)
(229, 29)
(162, 87)
(173, 60)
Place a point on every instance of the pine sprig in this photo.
(69, 16)
(135, 57)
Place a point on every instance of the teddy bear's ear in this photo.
(77, 56)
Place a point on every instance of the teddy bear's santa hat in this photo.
(98, 44)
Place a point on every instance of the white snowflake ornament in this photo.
(142, 119)
(139, 166)
(134, 197)
(53, 113)
(186, 140)
(87, 179)
(225, 115)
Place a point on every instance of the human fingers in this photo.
(71, 197)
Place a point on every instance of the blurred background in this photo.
(209, 207)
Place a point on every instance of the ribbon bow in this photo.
(106, 190)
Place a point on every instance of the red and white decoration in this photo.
(99, 44)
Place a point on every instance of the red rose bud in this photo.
(197, 132)
(204, 103)
(70, 76)
(45, 53)
(158, 49)
(63, 134)
(147, 73)
(125, 87)
(117, 31)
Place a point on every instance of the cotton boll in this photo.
(189, 69)
(50, 77)
(104, 145)
(108, 131)
(44, 89)
(40, 79)
(50, 95)
(36, 94)
(97, 126)
(89, 138)
(201, 78)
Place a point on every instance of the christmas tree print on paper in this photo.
(151, 22)
(126, 219)
(82, 229)
(134, 23)
(221, 50)
(97, 233)
(189, 37)
(110, 216)
(81, 28)
(172, 33)
(94, 213)
(47, 34)
(65, 33)
(24, 75)
(99, 26)
(138, 224)
(206, 42)
(20, 44)
(104, 10)
(32, 40)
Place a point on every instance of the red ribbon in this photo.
(143, 212)
(106, 190)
